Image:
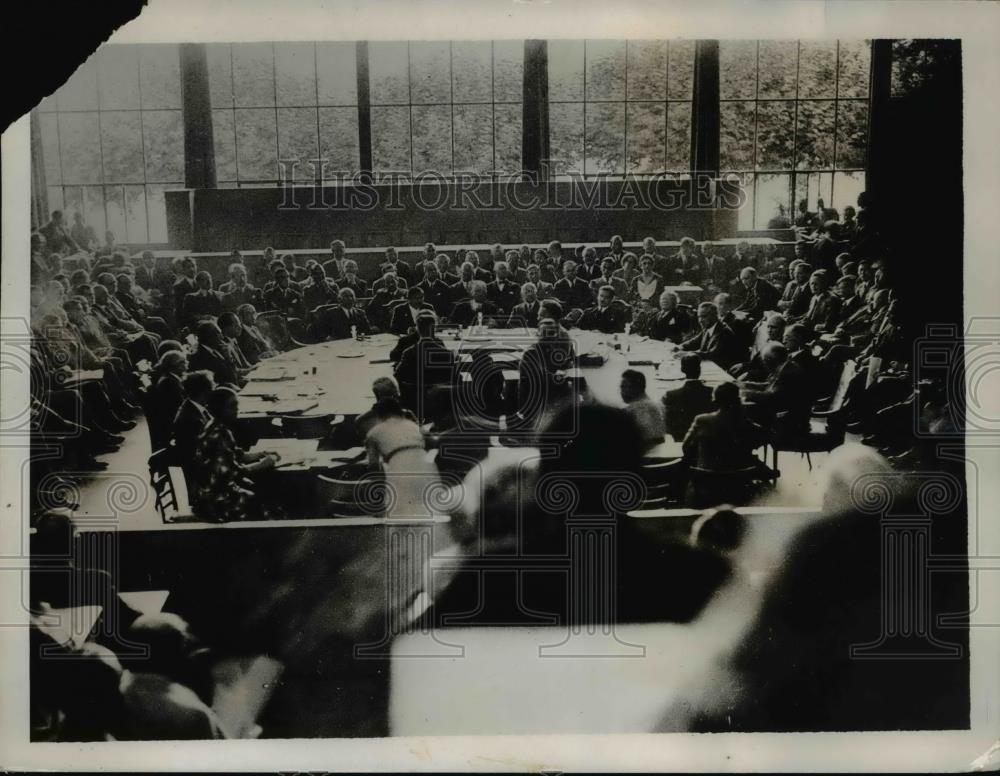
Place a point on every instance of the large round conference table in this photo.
(335, 377)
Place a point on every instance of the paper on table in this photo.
(289, 449)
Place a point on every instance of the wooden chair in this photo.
(309, 426)
(339, 493)
(826, 426)
(276, 328)
(664, 483)
(162, 482)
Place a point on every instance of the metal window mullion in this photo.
(451, 98)
(274, 89)
(584, 160)
(795, 129)
(756, 124)
(317, 174)
(232, 107)
(625, 142)
(493, 105)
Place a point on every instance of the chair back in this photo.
(350, 492)
(846, 375)
(308, 426)
(664, 482)
(161, 482)
(274, 327)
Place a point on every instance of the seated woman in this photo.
(396, 445)
(647, 286)
(224, 489)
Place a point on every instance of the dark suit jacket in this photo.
(573, 295)
(504, 298)
(401, 267)
(588, 271)
(693, 273)
(216, 363)
(610, 320)
(332, 269)
(252, 343)
(336, 324)
(402, 319)
(188, 425)
(165, 399)
(524, 314)
(379, 309)
(198, 305)
(459, 292)
(718, 440)
(758, 299)
(463, 314)
(426, 363)
(314, 295)
(285, 300)
(358, 285)
(182, 287)
(681, 405)
(671, 326)
(824, 311)
(437, 295)
(720, 347)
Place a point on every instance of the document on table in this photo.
(292, 451)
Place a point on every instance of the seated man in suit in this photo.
(543, 383)
(608, 316)
(786, 391)
(754, 369)
(715, 341)
(334, 266)
(571, 291)
(589, 269)
(379, 309)
(297, 273)
(426, 364)
(336, 322)
(211, 355)
(238, 291)
(351, 280)
(379, 284)
(462, 288)
(757, 296)
(742, 327)
(517, 272)
(436, 292)
(282, 296)
(608, 278)
(686, 266)
(794, 300)
(681, 405)
(446, 273)
(252, 341)
(534, 274)
(503, 291)
(318, 289)
(669, 323)
(166, 396)
(469, 311)
(526, 313)
(192, 416)
(647, 414)
(230, 326)
(796, 340)
(394, 264)
(479, 272)
(850, 302)
(824, 307)
(724, 439)
(404, 316)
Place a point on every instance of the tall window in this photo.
(113, 141)
(290, 102)
(794, 123)
(446, 107)
(620, 106)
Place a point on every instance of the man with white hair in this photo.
(526, 313)
(503, 291)
(467, 312)
(758, 296)
(573, 292)
(715, 341)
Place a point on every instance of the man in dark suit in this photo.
(202, 303)
(462, 288)
(57, 234)
(715, 341)
(590, 268)
(351, 280)
(542, 289)
(503, 291)
(785, 391)
(669, 322)
(479, 272)
(184, 284)
(282, 296)
(334, 266)
(210, 355)
(796, 340)
(681, 405)
(607, 277)
(467, 312)
(193, 415)
(394, 264)
(526, 312)
(724, 439)
(336, 322)
(850, 302)
(685, 266)
(379, 309)
(573, 292)
(758, 296)
(436, 292)
(165, 397)
(318, 289)
(608, 316)
(824, 307)
(741, 326)
(446, 273)
(795, 299)
(404, 316)
(237, 291)
(425, 364)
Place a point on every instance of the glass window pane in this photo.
(432, 139)
(48, 128)
(157, 212)
(777, 65)
(256, 145)
(114, 203)
(430, 72)
(852, 133)
(745, 214)
(391, 140)
(338, 139)
(772, 199)
(846, 187)
(472, 71)
(253, 74)
(121, 147)
(55, 197)
(814, 135)
(80, 91)
(565, 70)
(474, 138)
(679, 136)
(224, 133)
(813, 187)
(647, 70)
(854, 68)
(817, 68)
(388, 73)
(775, 128)
(507, 120)
(605, 138)
(606, 70)
(298, 142)
(737, 69)
(566, 137)
(160, 76)
(93, 208)
(337, 70)
(118, 77)
(135, 215)
(736, 135)
(647, 127)
(680, 81)
(163, 138)
(295, 71)
(508, 71)
(73, 203)
(220, 74)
